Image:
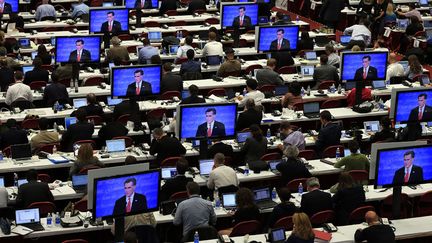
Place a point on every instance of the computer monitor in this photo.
(307, 70)
(10, 6)
(228, 200)
(274, 163)
(392, 164)
(206, 166)
(111, 194)
(311, 107)
(26, 69)
(173, 49)
(371, 126)
(424, 3)
(69, 121)
(353, 65)
(113, 102)
(310, 55)
(242, 136)
(79, 180)
(262, 194)
(276, 38)
(194, 120)
(53, 41)
(27, 216)
(134, 4)
(115, 145)
(21, 151)
(230, 15)
(406, 104)
(168, 172)
(24, 42)
(379, 84)
(78, 49)
(213, 60)
(154, 36)
(402, 23)
(185, 94)
(345, 39)
(424, 79)
(100, 19)
(124, 80)
(281, 90)
(79, 102)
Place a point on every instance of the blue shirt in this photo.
(79, 10)
(146, 53)
(45, 10)
(190, 67)
(194, 212)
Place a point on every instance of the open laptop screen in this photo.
(228, 200)
(27, 216)
(116, 145)
(79, 180)
(262, 194)
(206, 166)
(80, 102)
(168, 172)
(21, 151)
(311, 107)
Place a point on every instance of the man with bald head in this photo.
(376, 232)
(394, 69)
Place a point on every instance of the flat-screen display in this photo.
(140, 80)
(412, 105)
(204, 120)
(143, 4)
(364, 65)
(239, 15)
(109, 20)
(410, 165)
(81, 49)
(126, 194)
(277, 38)
(10, 6)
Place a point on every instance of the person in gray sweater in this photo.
(325, 72)
(267, 75)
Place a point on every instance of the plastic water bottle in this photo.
(332, 88)
(76, 86)
(181, 34)
(246, 171)
(337, 154)
(381, 104)
(300, 189)
(55, 126)
(274, 193)
(339, 89)
(19, 57)
(244, 92)
(57, 219)
(71, 84)
(303, 92)
(49, 220)
(268, 135)
(1, 155)
(16, 180)
(164, 119)
(308, 90)
(217, 200)
(54, 150)
(196, 237)
(297, 18)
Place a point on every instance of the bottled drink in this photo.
(300, 189)
(55, 126)
(302, 92)
(297, 18)
(49, 220)
(339, 89)
(76, 86)
(196, 237)
(274, 193)
(308, 90)
(337, 154)
(54, 150)
(71, 84)
(15, 180)
(181, 34)
(1, 155)
(332, 88)
(268, 133)
(246, 171)
(216, 198)
(57, 219)
(164, 119)
(244, 92)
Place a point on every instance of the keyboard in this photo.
(266, 204)
(117, 154)
(34, 226)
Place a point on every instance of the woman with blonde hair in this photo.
(302, 231)
(85, 159)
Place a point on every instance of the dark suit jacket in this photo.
(55, 92)
(283, 58)
(112, 129)
(416, 175)
(85, 56)
(280, 211)
(427, 114)
(171, 82)
(36, 75)
(146, 89)
(7, 8)
(147, 4)
(33, 191)
(139, 204)
(192, 100)
(91, 110)
(166, 147)
(378, 233)
(371, 75)
(13, 136)
(345, 201)
(76, 132)
(247, 22)
(6, 78)
(218, 130)
(247, 118)
(316, 201)
(116, 27)
(171, 186)
(328, 136)
(127, 107)
(167, 5)
(220, 147)
(292, 169)
(285, 45)
(195, 5)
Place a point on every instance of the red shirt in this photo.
(366, 95)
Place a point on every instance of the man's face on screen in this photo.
(2, 1)
(408, 160)
(421, 101)
(138, 77)
(241, 12)
(280, 35)
(79, 45)
(110, 17)
(210, 117)
(129, 189)
(366, 62)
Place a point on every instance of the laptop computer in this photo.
(427, 24)
(273, 164)
(379, 84)
(230, 93)
(277, 235)
(281, 90)
(116, 147)
(311, 110)
(21, 152)
(307, 70)
(168, 172)
(22, 182)
(26, 69)
(429, 33)
(79, 182)
(29, 218)
(321, 40)
(371, 126)
(228, 201)
(402, 24)
(155, 36)
(205, 167)
(2, 181)
(310, 55)
(424, 3)
(242, 136)
(113, 102)
(350, 85)
(69, 121)
(185, 94)
(108, 4)
(172, 49)
(33, 55)
(263, 20)
(404, 64)
(213, 60)
(24, 43)
(345, 39)
(263, 198)
(424, 80)
(79, 102)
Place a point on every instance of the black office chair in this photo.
(22, 104)
(53, 18)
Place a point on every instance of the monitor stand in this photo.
(119, 229)
(396, 204)
(203, 148)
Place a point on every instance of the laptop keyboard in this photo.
(118, 154)
(34, 226)
(266, 204)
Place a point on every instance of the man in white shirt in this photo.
(221, 175)
(181, 52)
(359, 32)
(252, 93)
(213, 47)
(18, 90)
(394, 69)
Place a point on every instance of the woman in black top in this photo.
(305, 43)
(250, 116)
(302, 231)
(256, 146)
(284, 209)
(43, 54)
(292, 167)
(386, 133)
(37, 74)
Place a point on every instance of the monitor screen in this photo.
(79, 180)
(79, 102)
(242, 136)
(143, 4)
(173, 49)
(214, 60)
(124, 80)
(239, 15)
(277, 38)
(371, 126)
(26, 69)
(379, 84)
(413, 105)
(281, 90)
(154, 35)
(113, 102)
(228, 200)
(69, 121)
(10, 6)
(310, 55)
(113, 194)
(411, 165)
(206, 166)
(24, 42)
(311, 107)
(115, 145)
(278, 235)
(345, 39)
(402, 23)
(307, 70)
(107, 4)
(273, 164)
(21, 151)
(168, 172)
(26, 216)
(262, 194)
(22, 182)
(81, 49)
(364, 65)
(109, 20)
(195, 120)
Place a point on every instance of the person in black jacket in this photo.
(292, 167)
(315, 200)
(305, 43)
(82, 130)
(376, 232)
(347, 198)
(13, 135)
(178, 183)
(33, 191)
(37, 74)
(283, 209)
(6, 75)
(329, 134)
(43, 54)
(165, 146)
(386, 134)
(251, 116)
(92, 108)
(219, 147)
(170, 81)
(193, 98)
(113, 128)
(55, 91)
(167, 5)
(196, 5)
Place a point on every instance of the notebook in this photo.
(277, 235)
(173, 49)
(113, 102)
(345, 39)
(263, 198)
(379, 84)
(168, 172)
(21, 152)
(307, 70)
(263, 20)
(205, 167)
(424, 80)
(79, 102)
(273, 164)
(79, 182)
(69, 121)
(22, 182)
(155, 36)
(281, 90)
(242, 136)
(310, 55)
(371, 126)
(116, 147)
(26, 69)
(228, 201)
(29, 218)
(404, 64)
(311, 110)
(402, 24)
(24, 43)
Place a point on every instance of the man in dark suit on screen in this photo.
(131, 201)
(366, 72)
(211, 128)
(242, 20)
(280, 43)
(80, 54)
(409, 173)
(111, 25)
(139, 87)
(5, 7)
(422, 112)
(143, 4)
